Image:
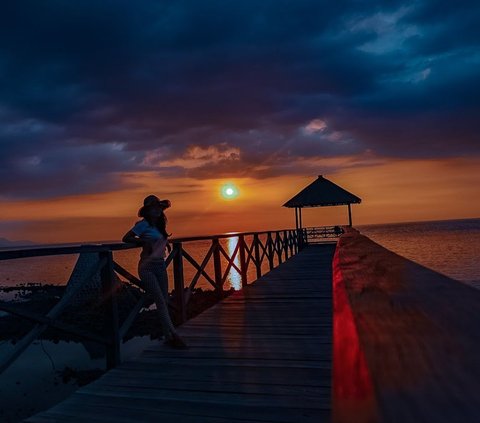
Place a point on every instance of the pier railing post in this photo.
(217, 265)
(285, 244)
(258, 265)
(243, 261)
(178, 280)
(270, 250)
(300, 239)
(278, 246)
(291, 242)
(109, 289)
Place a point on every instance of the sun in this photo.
(229, 191)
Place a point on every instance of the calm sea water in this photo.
(57, 269)
(451, 247)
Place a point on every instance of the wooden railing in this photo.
(319, 234)
(251, 249)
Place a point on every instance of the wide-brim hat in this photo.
(153, 200)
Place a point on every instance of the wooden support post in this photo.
(296, 218)
(302, 233)
(285, 244)
(256, 246)
(278, 249)
(349, 215)
(243, 261)
(217, 265)
(291, 242)
(179, 282)
(270, 250)
(109, 287)
(301, 239)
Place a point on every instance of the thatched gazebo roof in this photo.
(320, 193)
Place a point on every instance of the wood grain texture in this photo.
(261, 355)
(419, 337)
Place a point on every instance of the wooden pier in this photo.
(263, 354)
(345, 332)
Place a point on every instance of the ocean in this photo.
(451, 247)
(56, 270)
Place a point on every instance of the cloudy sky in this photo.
(103, 102)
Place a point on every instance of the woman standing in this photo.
(151, 234)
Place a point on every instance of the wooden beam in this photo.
(217, 266)
(243, 262)
(179, 281)
(349, 215)
(109, 288)
(258, 262)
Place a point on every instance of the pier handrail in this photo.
(25, 252)
(313, 233)
(250, 249)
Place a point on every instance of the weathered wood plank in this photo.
(220, 362)
(411, 339)
(106, 414)
(273, 350)
(261, 355)
(201, 409)
(146, 380)
(261, 375)
(320, 400)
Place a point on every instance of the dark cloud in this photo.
(91, 89)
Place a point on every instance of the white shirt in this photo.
(145, 231)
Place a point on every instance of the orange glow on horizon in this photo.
(391, 191)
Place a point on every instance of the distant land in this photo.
(4, 242)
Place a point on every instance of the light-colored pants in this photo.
(153, 274)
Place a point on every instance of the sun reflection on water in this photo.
(234, 278)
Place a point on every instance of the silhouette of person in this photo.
(151, 234)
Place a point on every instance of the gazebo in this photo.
(321, 193)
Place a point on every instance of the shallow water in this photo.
(33, 383)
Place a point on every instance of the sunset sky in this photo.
(105, 102)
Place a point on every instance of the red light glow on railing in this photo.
(353, 392)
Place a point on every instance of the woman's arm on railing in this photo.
(132, 238)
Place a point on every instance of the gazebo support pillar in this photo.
(320, 193)
(302, 240)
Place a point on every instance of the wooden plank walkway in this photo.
(261, 355)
